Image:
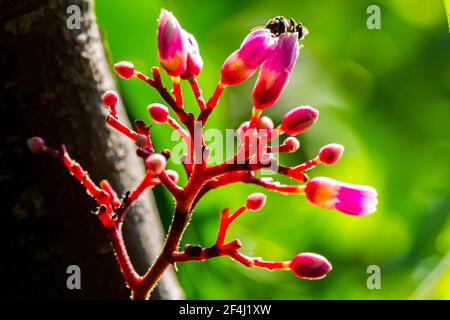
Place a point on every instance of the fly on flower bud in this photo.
(172, 48)
(330, 154)
(310, 266)
(299, 120)
(194, 62)
(155, 163)
(242, 63)
(351, 199)
(124, 69)
(256, 201)
(275, 71)
(158, 112)
(36, 144)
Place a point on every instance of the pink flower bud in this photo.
(172, 49)
(36, 144)
(264, 123)
(110, 99)
(242, 130)
(293, 143)
(194, 62)
(173, 175)
(310, 266)
(275, 71)
(299, 120)
(158, 112)
(330, 154)
(242, 63)
(124, 69)
(348, 198)
(256, 201)
(155, 163)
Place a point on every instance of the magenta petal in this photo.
(356, 200)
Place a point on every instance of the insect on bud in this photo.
(310, 266)
(158, 112)
(256, 201)
(124, 69)
(330, 154)
(36, 144)
(299, 120)
(155, 163)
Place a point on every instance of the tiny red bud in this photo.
(141, 140)
(124, 69)
(158, 112)
(155, 163)
(110, 99)
(264, 123)
(330, 154)
(173, 175)
(293, 143)
(310, 266)
(36, 144)
(299, 120)
(256, 201)
(242, 130)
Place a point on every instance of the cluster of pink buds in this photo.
(275, 53)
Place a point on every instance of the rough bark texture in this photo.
(52, 80)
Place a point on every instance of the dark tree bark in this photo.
(52, 81)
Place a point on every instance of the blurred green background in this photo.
(384, 94)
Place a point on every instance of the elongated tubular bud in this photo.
(310, 266)
(299, 120)
(275, 71)
(242, 63)
(172, 48)
(348, 198)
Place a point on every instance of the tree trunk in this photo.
(52, 81)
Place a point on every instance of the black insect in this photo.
(280, 25)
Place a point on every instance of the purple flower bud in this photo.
(310, 266)
(172, 49)
(194, 62)
(298, 120)
(348, 198)
(242, 63)
(275, 71)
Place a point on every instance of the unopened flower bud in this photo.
(110, 99)
(256, 201)
(242, 130)
(293, 143)
(330, 154)
(158, 112)
(242, 63)
(173, 175)
(310, 266)
(275, 71)
(172, 49)
(124, 69)
(36, 144)
(141, 140)
(194, 61)
(264, 123)
(348, 198)
(155, 163)
(299, 120)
